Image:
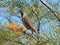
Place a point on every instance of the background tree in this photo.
(46, 20)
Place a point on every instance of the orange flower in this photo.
(12, 26)
(16, 29)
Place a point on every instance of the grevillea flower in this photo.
(16, 29)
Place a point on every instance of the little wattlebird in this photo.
(28, 22)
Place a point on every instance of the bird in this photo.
(28, 23)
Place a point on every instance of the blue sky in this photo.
(5, 12)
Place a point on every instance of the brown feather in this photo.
(28, 23)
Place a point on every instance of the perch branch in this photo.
(52, 11)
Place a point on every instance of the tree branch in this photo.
(28, 34)
(38, 21)
(52, 11)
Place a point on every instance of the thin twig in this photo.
(38, 21)
(52, 11)
(28, 34)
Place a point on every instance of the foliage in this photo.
(44, 20)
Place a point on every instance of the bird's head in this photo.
(22, 12)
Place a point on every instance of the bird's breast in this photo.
(26, 25)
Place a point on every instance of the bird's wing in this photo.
(29, 23)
